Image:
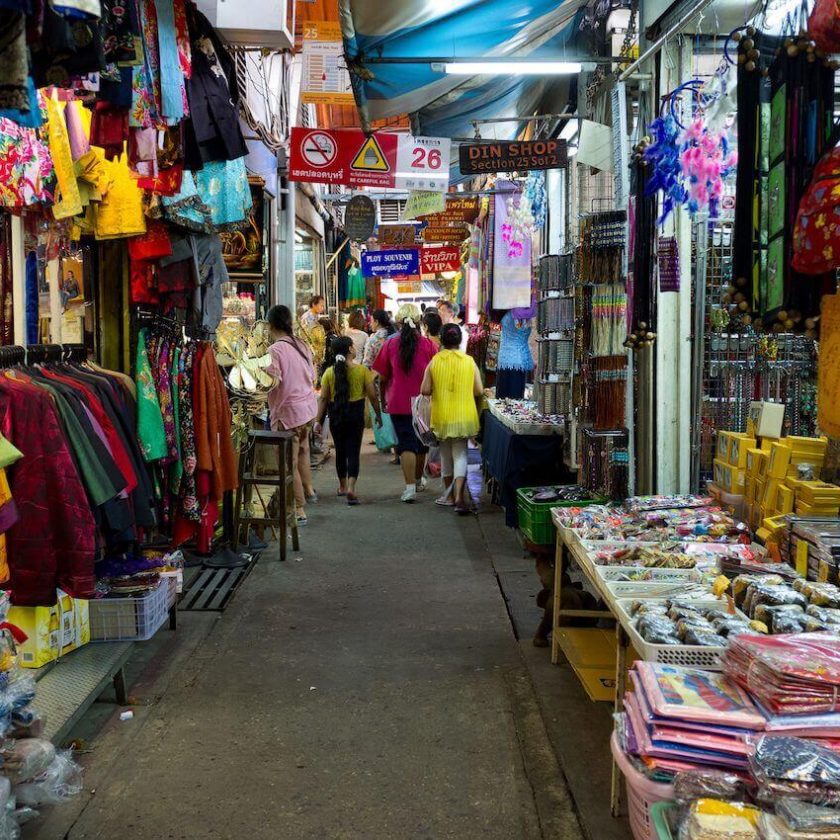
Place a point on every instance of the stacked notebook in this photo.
(797, 674)
(683, 718)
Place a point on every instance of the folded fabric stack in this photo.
(681, 718)
(797, 674)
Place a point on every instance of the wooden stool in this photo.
(284, 481)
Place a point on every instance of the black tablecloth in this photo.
(520, 461)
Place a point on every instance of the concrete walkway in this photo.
(370, 688)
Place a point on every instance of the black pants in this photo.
(347, 436)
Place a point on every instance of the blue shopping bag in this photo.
(385, 437)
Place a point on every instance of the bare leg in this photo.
(420, 465)
(460, 483)
(408, 460)
(351, 486)
(304, 467)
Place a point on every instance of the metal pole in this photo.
(657, 44)
(333, 258)
(483, 59)
(699, 350)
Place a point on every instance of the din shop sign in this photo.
(519, 156)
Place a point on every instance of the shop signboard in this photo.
(396, 234)
(445, 233)
(421, 203)
(438, 260)
(359, 218)
(518, 156)
(396, 262)
(326, 79)
(355, 159)
(409, 287)
(456, 210)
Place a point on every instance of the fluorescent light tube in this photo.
(512, 68)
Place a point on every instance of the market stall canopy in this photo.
(380, 38)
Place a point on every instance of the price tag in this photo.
(423, 163)
(802, 558)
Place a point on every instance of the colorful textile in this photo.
(68, 202)
(27, 176)
(223, 187)
(355, 287)
(514, 350)
(187, 491)
(120, 213)
(173, 96)
(373, 345)
(512, 261)
(150, 431)
(454, 412)
(14, 66)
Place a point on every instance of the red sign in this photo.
(438, 260)
(355, 159)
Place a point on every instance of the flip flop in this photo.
(352, 499)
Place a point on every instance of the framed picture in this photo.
(243, 249)
(71, 281)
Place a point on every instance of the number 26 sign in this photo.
(355, 159)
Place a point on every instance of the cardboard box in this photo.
(729, 478)
(51, 631)
(779, 460)
(738, 449)
(591, 652)
(766, 419)
(756, 461)
(784, 499)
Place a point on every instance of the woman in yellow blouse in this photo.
(453, 381)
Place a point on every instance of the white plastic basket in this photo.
(663, 583)
(130, 619)
(690, 656)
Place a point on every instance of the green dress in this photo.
(355, 288)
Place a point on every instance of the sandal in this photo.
(352, 499)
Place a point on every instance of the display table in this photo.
(513, 461)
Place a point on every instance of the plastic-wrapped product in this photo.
(21, 690)
(26, 758)
(689, 625)
(61, 781)
(704, 639)
(27, 722)
(715, 819)
(708, 784)
(658, 630)
(731, 626)
(794, 767)
(805, 816)
(824, 614)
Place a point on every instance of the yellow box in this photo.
(775, 524)
(770, 491)
(779, 460)
(738, 449)
(729, 478)
(591, 652)
(762, 535)
(756, 461)
(749, 490)
(804, 509)
(51, 631)
(724, 443)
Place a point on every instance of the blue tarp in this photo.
(443, 105)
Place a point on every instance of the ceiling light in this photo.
(511, 68)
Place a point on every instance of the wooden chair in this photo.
(283, 480)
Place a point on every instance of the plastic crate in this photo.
(689, 656)
(130, 619)
(535, 517)
(642, 795)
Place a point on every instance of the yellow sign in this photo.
(370, 157)
(326, 79)
(409, 287)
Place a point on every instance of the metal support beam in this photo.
(487, 59)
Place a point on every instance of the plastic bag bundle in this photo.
(708, 784)
(714, 819)
(797, 769)
(61, 781)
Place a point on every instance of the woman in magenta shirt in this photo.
(292, 401)
(401, 364)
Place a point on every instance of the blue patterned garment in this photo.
(223, 187)
(514, 352)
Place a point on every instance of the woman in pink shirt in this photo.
(292, 400)
(401, 364)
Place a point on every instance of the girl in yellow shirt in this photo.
(344, 386)
(453, 382)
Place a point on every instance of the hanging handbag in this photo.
(384, 436)
(816, 236)
(421, 418)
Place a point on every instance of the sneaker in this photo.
(301, 519)
(421, 484)
(409, 494)
(445, 501)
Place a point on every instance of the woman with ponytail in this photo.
(401, 364)
(344, 386)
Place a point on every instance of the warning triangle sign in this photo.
(370, 157)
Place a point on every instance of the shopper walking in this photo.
(432, 325)
(449, 314)
(344, 386)
(453, 382)
(292, 402)
(400, 364)
(382, 328)
(356, 330)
